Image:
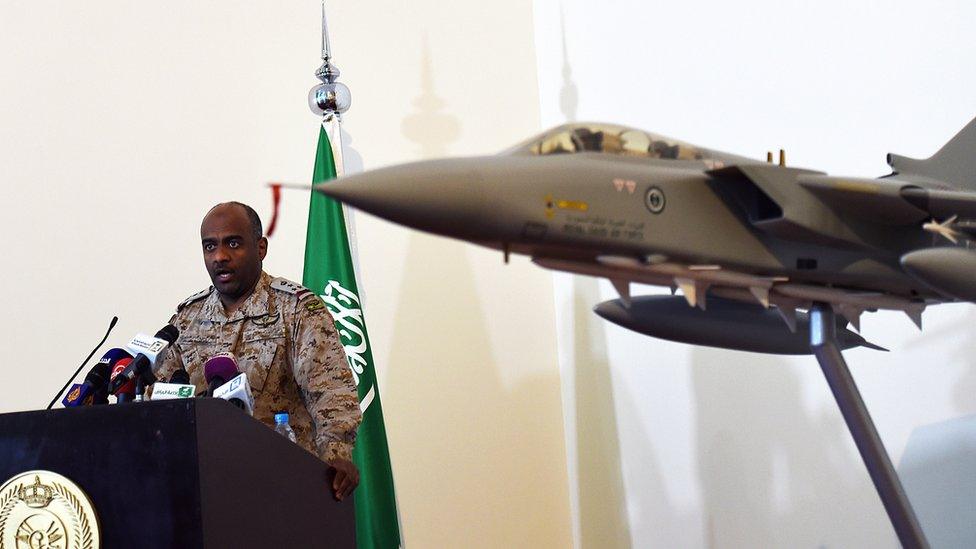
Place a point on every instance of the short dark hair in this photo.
(257, 231)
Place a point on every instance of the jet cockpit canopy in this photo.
(609, 139)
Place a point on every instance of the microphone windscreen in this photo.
(99, 375)
(223, 366)
(180, 377)
(168, 333)
(130, 387)
(114, 355)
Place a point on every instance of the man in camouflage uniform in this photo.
(282, 336)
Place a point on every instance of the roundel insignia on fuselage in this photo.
(654, 200)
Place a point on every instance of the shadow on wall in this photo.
(430, 127)
(619, 505)
(481, 486)
(771, 475)
(600, 484)
(351, 159)
(569, 93)
(605, 505)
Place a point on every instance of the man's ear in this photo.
(262, 247)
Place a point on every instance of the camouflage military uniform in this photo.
(285, 341)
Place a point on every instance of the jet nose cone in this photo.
(441, 196)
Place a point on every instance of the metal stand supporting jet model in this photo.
(768, 258)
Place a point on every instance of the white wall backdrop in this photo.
(121, 123)
(675, 446)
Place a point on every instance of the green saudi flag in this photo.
(329, 272)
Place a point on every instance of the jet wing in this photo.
(897, 202)
(877, 200)
(791, 191)
(696, 282)
(942, 203)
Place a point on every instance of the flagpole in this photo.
(331, 99)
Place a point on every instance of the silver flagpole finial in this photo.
(331, 97)
(326, 49)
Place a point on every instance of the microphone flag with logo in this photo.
(329, 272)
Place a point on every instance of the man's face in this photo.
(231, 253)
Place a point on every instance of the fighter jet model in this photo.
(631, 206)
(765, 255)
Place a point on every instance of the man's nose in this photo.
(221, 255)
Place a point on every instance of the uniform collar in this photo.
(256, 304)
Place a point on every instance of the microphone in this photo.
(127, 392)
(146, 350)
(181, 377)
(111, 326)
(96, 382)
(218, 369)
(74, 397)
(237, 391)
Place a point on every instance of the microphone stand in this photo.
(111, 326)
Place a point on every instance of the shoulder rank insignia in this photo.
(195, 297)
(314, 304)
(287, 286)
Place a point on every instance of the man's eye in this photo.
(234, 244)
(209, 247)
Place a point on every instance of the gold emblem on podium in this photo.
(44, 510)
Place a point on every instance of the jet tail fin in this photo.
(954, 163)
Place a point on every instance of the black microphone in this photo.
(181, 377)
(111, 326)
(148, 349)
(91, 391)
(95, 388)
(128, 391)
